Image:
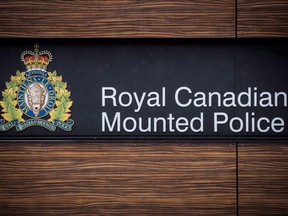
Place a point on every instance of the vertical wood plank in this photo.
(263, 175)
(263, 18)
(121, 18)
(117, 179)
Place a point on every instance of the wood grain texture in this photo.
(263, 18)
(121, 18)
(263, 179)
(117, 179)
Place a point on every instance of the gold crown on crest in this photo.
(36, 60)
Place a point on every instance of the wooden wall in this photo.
(262, 18)
(121, 18)
(117, 179)
(262, 178)
(137, 178)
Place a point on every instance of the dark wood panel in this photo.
(263, 18)
(122, 18)
(115, 179)
(263, 179)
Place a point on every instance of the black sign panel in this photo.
(143, 89)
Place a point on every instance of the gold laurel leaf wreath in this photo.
(9, 110)
(61, 110)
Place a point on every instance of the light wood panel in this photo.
(263, 18)
(117, 179)
(263, 179)
(121, 18)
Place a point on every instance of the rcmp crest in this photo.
(36, 97)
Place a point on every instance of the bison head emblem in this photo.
(36, 98)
